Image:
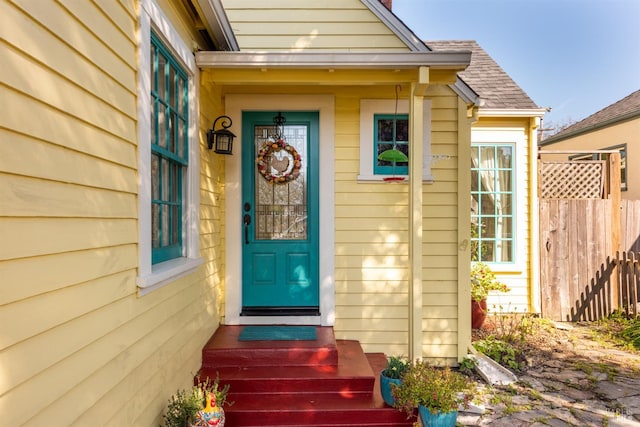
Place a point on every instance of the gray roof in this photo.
(487, 78)
(625, 109)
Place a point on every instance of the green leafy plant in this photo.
(184, 405)
(468, 365)
(396, 367)
(483, 280)
(631, 333)
(501, 351)
(438, 389)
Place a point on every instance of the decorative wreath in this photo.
(278, 162)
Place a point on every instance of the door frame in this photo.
(234, 106)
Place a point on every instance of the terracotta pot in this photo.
(478, 313)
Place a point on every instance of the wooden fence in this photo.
(588, 249)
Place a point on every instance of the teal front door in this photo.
(280, 273)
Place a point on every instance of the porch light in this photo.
(222, 139)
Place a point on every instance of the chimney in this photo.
(386, 3)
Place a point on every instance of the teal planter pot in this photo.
(385, 388)
(439, 419)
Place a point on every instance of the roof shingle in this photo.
(486, 77)
(620, 110)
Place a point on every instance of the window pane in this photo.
(155, 177)
(171, 100)
(162, 126)
(164, 230)
(164, 180)
(172, 131)
(181, 138)
(155, 221)
(181, 97)
(162, 65)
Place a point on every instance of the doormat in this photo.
(278, 333)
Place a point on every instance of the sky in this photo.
(575, 56)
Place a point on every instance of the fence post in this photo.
(614, 196)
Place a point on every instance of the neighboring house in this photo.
(504, 179)
(616, 127)
(126, 241)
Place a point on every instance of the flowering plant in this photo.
(396, 367)
(438, 389)
(484, 280)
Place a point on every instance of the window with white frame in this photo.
(391, 142)
(169, 153)
(168, 162)
(379, 118)
(492, 202)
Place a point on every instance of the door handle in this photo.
(247, 221)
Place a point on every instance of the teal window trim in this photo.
(383, 137)
(169, 151)
(493, 203)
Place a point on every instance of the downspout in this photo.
(416, 132)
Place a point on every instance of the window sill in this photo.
(385, 179)
(166, 272)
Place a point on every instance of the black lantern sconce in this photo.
(221, 139)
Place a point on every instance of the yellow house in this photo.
(615, 127)
(127, 241)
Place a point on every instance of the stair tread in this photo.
(224, 349)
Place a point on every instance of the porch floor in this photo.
(325, 382)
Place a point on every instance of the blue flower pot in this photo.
(385, 388)
(439, 419)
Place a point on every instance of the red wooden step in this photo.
(351, 376)
(224, 350)
(323, 383)
(307, 409)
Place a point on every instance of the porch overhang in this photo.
(445, 60)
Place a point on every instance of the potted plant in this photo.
(201, 405)
(483, 280)
(436, 392)
(392, 374)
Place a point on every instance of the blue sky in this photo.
(576, 56)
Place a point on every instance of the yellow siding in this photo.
(372, 241)
(78, 344)
(330, 25)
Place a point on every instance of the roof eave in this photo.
(597, 126)
(511, 112)
(450, 60)
(217, 23)
(398, 27)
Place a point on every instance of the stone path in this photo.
(576, 382)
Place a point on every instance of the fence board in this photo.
(581, 276)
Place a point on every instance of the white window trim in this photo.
(371, 107)
(151, 277)
(517, 139)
